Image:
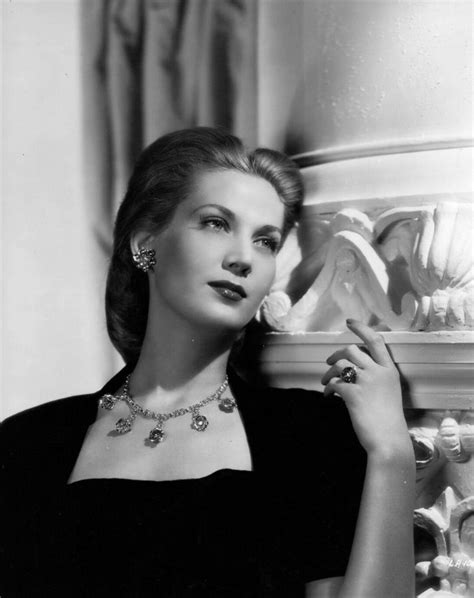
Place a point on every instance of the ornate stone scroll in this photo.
(400, 269)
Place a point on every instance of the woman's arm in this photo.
(382, 559)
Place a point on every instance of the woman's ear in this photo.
(141, 239)
(143, 251)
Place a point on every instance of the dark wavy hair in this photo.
(164, 175)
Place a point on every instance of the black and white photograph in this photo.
(237, 326)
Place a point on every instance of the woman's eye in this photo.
(268, 243)
(214, 222)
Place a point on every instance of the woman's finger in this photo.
(373, 341)
(352, 353)
(335, 370)
(339, 387)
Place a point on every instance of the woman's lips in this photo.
(228, 290)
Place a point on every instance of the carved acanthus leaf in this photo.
(423, 439)
(438, 516)
(452, 435)
(429, 284)
(435, 244)
(352, 283)
(450, 521)
(449, 440)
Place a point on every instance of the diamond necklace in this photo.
(198, 422)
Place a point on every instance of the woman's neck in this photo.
(178, 364)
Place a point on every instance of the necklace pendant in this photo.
(156, 435)
(107, 402)
(227, 405)
(199, 422)
(124, 425)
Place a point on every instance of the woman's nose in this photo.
(238, 261)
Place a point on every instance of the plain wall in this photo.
(53, 331)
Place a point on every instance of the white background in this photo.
(54, 342)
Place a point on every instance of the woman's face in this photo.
(216, 259)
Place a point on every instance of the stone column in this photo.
(374, 101)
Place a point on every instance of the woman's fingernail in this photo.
(350, 321)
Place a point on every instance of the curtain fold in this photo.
(153, 66)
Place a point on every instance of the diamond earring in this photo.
(144, 259)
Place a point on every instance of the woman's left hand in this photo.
(374, 400)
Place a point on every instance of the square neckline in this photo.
(238, 387)
(223, 471)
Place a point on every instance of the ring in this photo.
(349, 375)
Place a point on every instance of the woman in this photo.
(178, 478)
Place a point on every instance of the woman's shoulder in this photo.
(38, 445)
(65, 410)
(301, 397)
(310, 412)
(306, 414)
(299, 402)
(39, 428)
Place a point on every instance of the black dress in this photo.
(260, 533)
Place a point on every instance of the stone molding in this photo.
(437, 367)
(375, 149)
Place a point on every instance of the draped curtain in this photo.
(153, 66)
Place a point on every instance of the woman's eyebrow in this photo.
(269, 228)
(229, 213)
